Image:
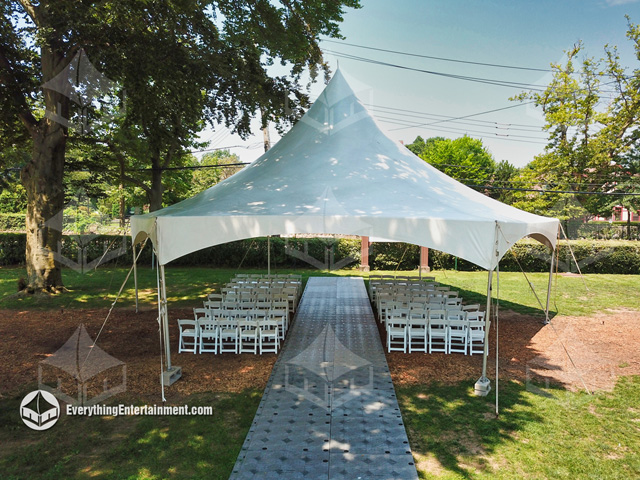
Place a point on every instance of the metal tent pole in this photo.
(483, 385)
(269, 255)
(135, 274)
(546, 311)
(165, 317)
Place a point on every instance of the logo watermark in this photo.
(39, 410)
(333, 381)
(81, 216)
(82, 369)
(139, 410)
(82, 83)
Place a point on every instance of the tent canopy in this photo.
(336, 172)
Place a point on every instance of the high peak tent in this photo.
(336, 172)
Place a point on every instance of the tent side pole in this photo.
(269, 255)
(487, 325)
(165, 317)
(546, 312)
(135, 274)
(483, 385)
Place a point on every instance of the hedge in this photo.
(622, 257)
(12, 222)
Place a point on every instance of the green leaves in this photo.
(464, 159)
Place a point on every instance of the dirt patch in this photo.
(571, 351)
(30, 337)
(601, 348)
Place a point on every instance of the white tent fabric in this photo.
(336, 172)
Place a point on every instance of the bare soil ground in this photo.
(572, 351)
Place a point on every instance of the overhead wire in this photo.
(482, 80)
(444, 59)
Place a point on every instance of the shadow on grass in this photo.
(180, 447)
(451, 429)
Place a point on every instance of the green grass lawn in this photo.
(540, 433)
(187, 286)
(137, 447)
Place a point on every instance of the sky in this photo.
(407, 103)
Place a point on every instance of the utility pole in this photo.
(265, 133)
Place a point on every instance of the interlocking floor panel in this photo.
(329, 410)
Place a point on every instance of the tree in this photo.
(591, 128)
(464, 159)
(180, 63)
(627, 186)
(204, 178)
(502, 179)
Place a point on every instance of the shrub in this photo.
(622, 257)
(12, 222)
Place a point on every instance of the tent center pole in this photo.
(269, 255)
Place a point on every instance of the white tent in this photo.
(336, 172)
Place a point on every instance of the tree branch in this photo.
(31, 11)
(16, 94)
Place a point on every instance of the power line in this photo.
(408, 125)
(468, 116)
(488, 81)
(451, 118)
(444, 59)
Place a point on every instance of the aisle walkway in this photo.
(329, 410)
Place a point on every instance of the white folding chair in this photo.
(458, 332)
(280, 317)
(188, 341)
(208, 335)
(228, 336)
(474, 307)
(476, 332)
(438, 330)
(269, 337)
(417, 332)
(397, 333)
(248, 330)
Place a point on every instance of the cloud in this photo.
(615, 3)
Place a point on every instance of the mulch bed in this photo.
(602, 348)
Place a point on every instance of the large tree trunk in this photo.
(43, 181)
(155, 193)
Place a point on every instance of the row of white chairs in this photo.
(388, 281)
(385, 303)
(267, 303)
(239, 331)
(260, 276)
(436, 331)
(425, 290)
(248, 292)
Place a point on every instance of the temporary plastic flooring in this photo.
(329, 410)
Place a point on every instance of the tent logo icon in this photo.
(82, 220)
(83, 373)
(39, 410)
(82, 83)
(330, 381)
